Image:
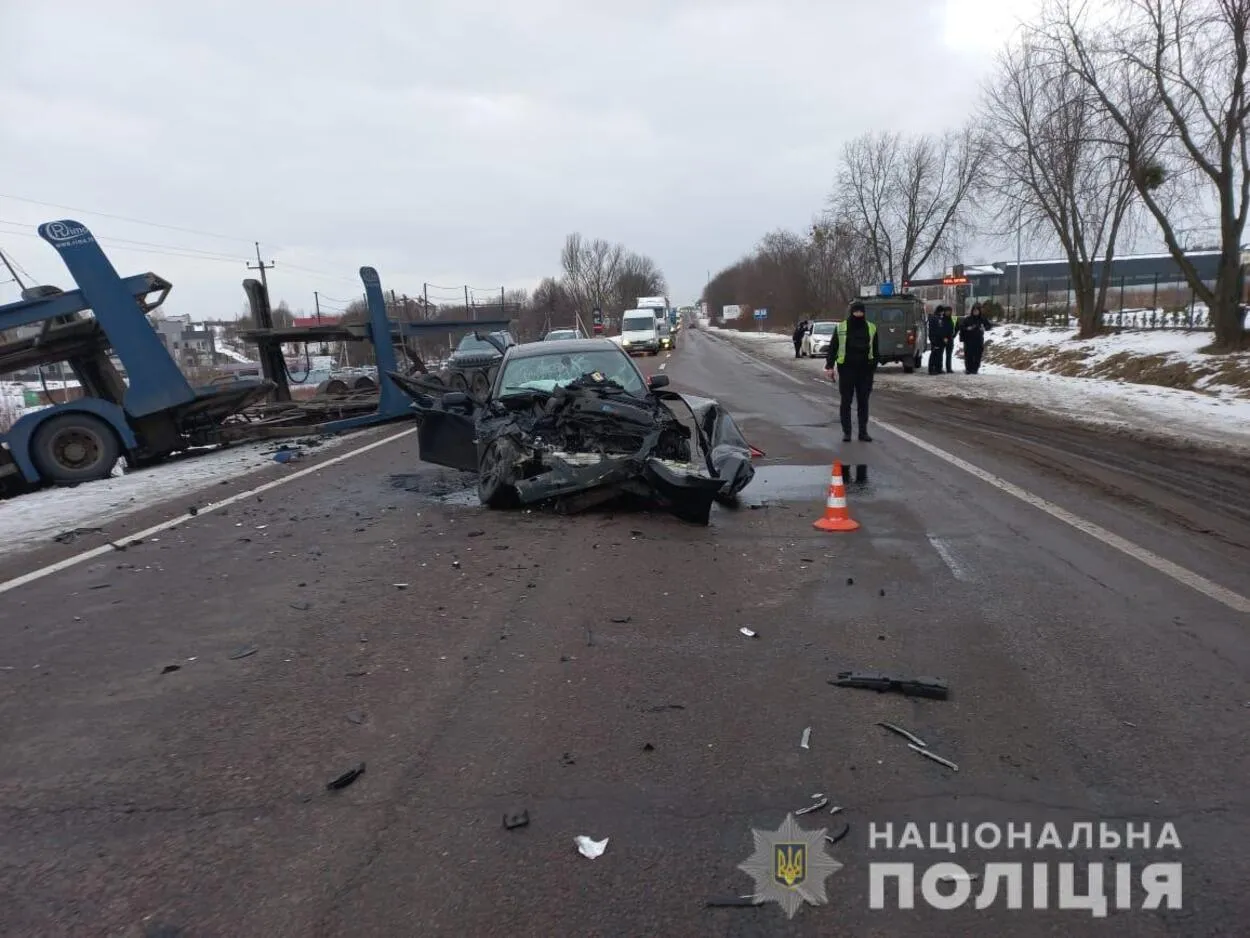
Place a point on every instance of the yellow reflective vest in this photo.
(872, 335)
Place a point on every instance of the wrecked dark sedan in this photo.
(575, 423)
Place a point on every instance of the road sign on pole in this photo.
(760, 316)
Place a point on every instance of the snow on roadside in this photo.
(34, 519)
(1220, 419)
(1159, 357)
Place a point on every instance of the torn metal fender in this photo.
(725, 449)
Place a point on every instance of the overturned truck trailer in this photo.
(588, 442)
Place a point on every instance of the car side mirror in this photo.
(657, 381)
(455, 399)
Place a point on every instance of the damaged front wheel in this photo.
(496, 474)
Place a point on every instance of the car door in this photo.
(447, 431)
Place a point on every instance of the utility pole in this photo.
(317, 304)
(503, 303)
(472, 311)
(425, 301)
(262, 267)
(1019, 256)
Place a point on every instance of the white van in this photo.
(640, 332)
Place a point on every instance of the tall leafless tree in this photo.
(909, 199)
(1171, 76)
(590, 269)
(1053, 168)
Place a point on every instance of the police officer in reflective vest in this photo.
(853, 349)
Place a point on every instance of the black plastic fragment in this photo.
(346, 778)
(833, 839)
(930, 687)
(171, 668)
(513, 820)
(243, 651)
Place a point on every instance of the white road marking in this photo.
(182, 519)
(663, 365)
(1161, 564)
(948, 558)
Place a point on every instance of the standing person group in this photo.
(944, 328)
(853, 351)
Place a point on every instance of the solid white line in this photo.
(1176, 572)
(182, 519)
(1154, 561)
(948, 558)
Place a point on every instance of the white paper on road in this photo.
(589, 847)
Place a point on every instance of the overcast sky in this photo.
(452, 141)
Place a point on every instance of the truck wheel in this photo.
(479, 386)
(73, 448)
(495, 475)
(364, 383)
(459, 382)
(336, 387)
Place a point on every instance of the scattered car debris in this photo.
(515, 819)
(934, 756)
(400, 586)
(243, 651)
(621, 620)
(850, 581)
(815, 807)
(1127, 723)
(647, 747)
(590, 639)
(356, 716)
(930, 687)
(748, 633)
(834, 838)
(590, 848)
(835, 809)
(732, 901)
(567, 759)
(346, 778)
(68, 537)
(301, 606)
(804, 743)
(662, 707)
(906, 735)
(171, 668)
(577, 427)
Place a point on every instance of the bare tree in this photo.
(1171, 76)
(637, 275)
(590, 268)
(839, 262)
(1053, 169)
(909, 199)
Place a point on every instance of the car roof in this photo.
(557, 346)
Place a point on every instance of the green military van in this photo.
(901, 333)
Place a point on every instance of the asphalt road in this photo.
(590, 671)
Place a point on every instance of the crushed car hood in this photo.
(591, 442)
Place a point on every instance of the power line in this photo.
(135, 221)
(109, 243)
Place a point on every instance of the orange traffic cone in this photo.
(836, 517)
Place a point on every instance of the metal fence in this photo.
(1161, 303)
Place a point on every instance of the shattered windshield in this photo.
(547, 372)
